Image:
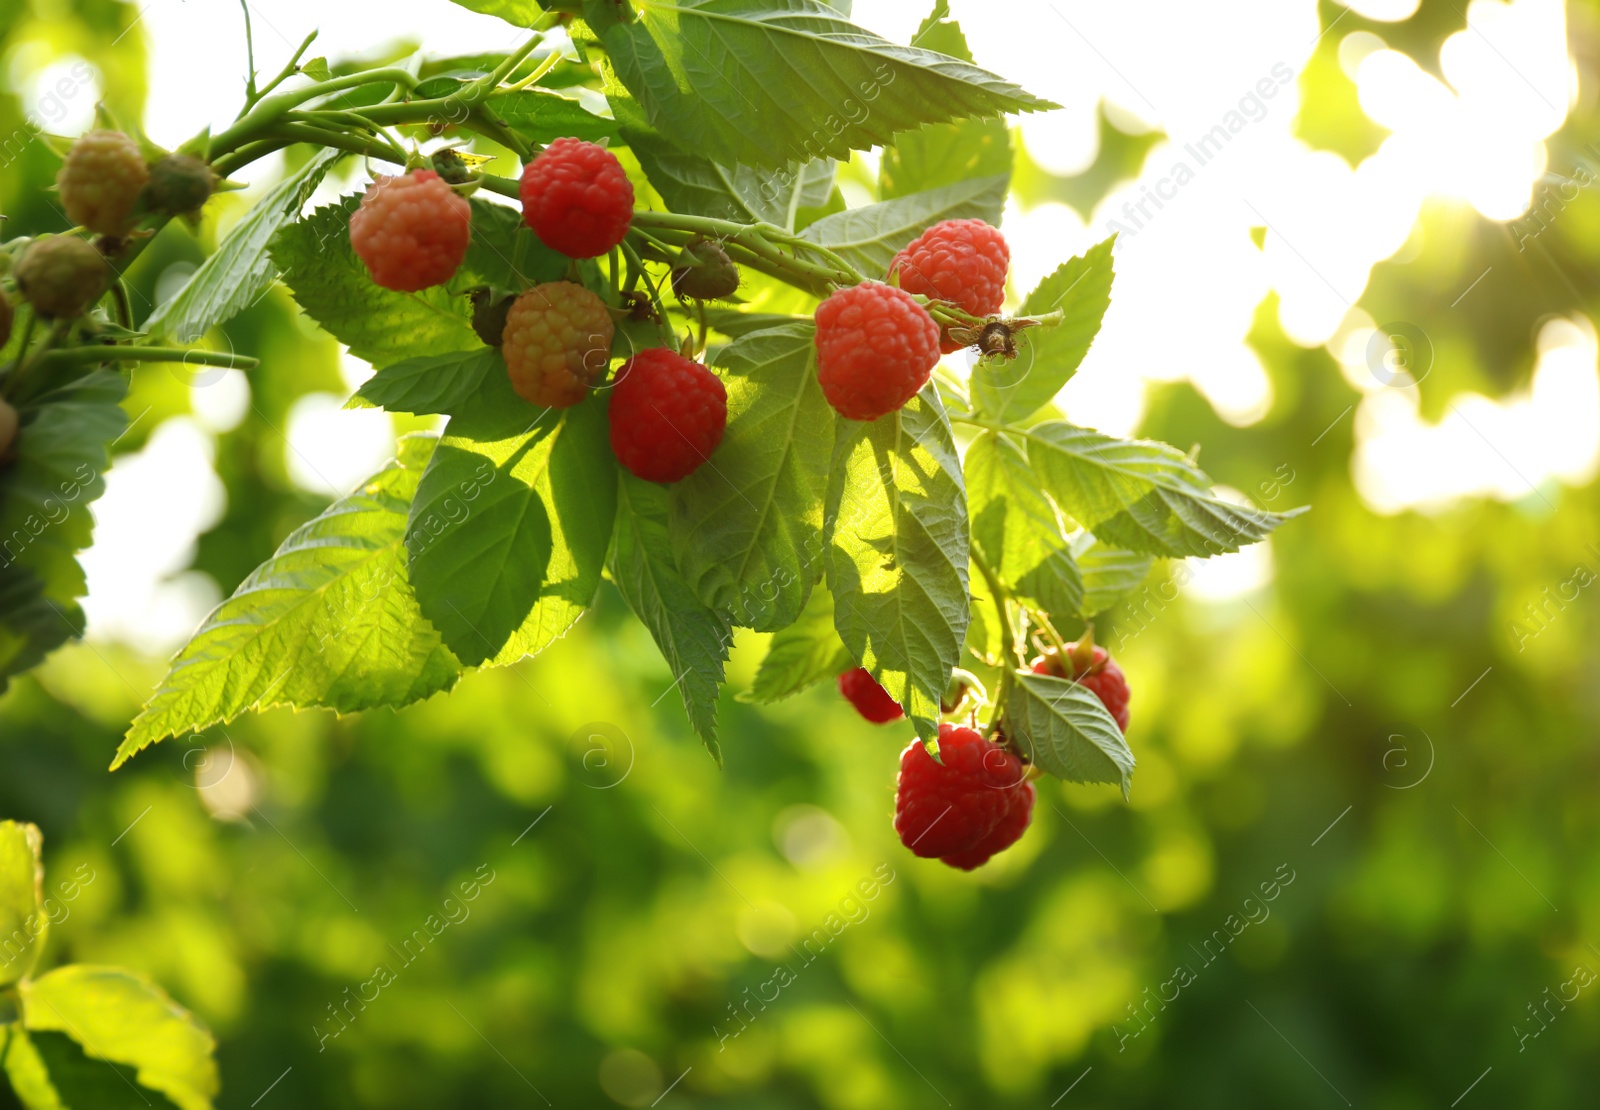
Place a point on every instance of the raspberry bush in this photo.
(796, 460)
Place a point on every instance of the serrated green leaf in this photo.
(734, 323)
(1047, 357)
(239, 271)
(1110, 574)
(1016, 530)
(122, 1017)
(869, 237)
(939, 154)
(785, 80)
(462, 383)
(897, 552)
(747, 526)
(377, 324)
(57, 1074)
(509, 530)
(542, 117)
(329, 621)
(1065, 730)
(45, 494)
(519, 13)
(1141, 495)
(694, 639)
(505, 252)
(23, 924)
(693, 184)
(805, 653)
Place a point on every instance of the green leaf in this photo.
(1012, 390)
(1065, 729)
(693, 639)
(239, 271)
(805, 653)
(897, 556)
(1016, 530)
(541, 117)
(505, 252)
(1141, 495)
(462, 383)
(27, 1072)
(509, 530)
(939, 154)
(122, 1017)
(734, 323)
(51, 1071)
(377, 324)
(783, 80)
(747, 526)
(1110, 574)
(869, 237)
(23, 924)
(519, 13)
(45, 494)
(329, 621)
(693, 184)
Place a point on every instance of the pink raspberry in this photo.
(667, 415)
(963, 262)
(1102, 676)
(876, 348)
(577, 198)
(411, 231)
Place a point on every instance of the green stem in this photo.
(80, 356)
(274, 108)
(250, 95)
(500, 133)
(1008, 637)
(284, 74)
(550, 62)
(119, 295)
(655, 298)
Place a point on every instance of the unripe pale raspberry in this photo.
(412, 231)
(667, 415)
(61, 275)
(100, 181)
(557, 343)
(876, 348)
(179, 185)
(966, 808)
(871, 700)
(704, 272)
(963, 262)
(577, 198)
(1102, 676)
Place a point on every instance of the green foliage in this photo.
(1081, 290)
(897, 552)
(747, 527)
(801, 655)
(1141, 495)
(379, 325)
(1109, 574)
(70, 1028)
(237, 273)
(766, 84)
(509, 530)
(694, 639)
(330, 620)
(520, 13)
(460, 383)
(1066, 731)
(869, 237)
(1016, 530)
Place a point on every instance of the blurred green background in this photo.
(1368, 731)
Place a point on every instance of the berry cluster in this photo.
(877, 345)
(976, 799)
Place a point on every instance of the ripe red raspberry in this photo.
(1102, 676)
(667, 415)
(100, 181)
(872, 701)
(577, 198)
(966, 809)
(61, 275)
(411, 231)
(960, 261)
(557, 343)
(875, 348)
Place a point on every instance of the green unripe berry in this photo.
(704, 272)
(61, 275)
(179, 185)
